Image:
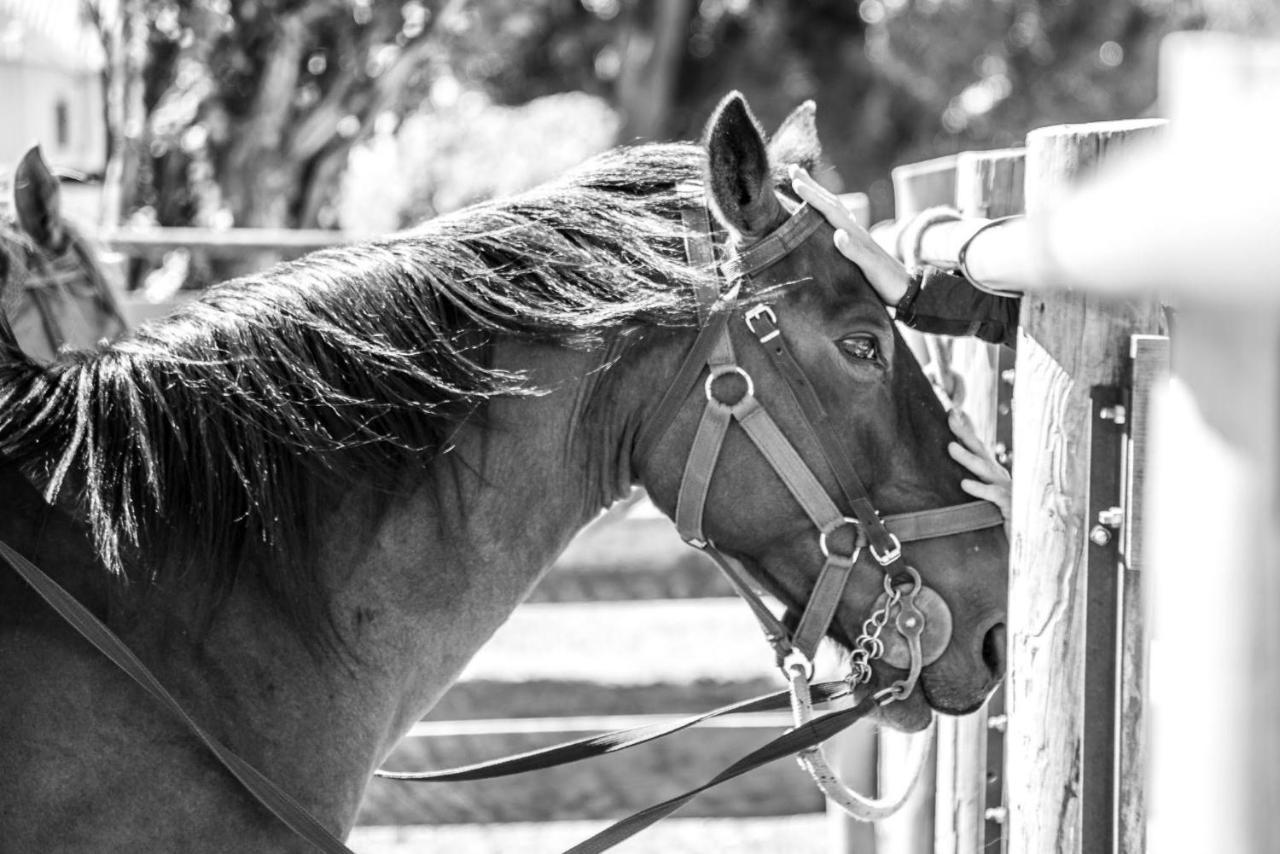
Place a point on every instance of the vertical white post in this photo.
(1214, 538)
(988, 185)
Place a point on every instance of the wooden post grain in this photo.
(1068, 342)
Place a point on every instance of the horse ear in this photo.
(797, 139)
(37, 198)
(738, 179)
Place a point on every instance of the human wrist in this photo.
(895, 282)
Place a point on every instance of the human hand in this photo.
(992, 482)
(885, 273)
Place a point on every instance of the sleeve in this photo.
(945, 304)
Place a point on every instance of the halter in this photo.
(712, 356)
(57, 280)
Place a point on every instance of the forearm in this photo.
(945, 304)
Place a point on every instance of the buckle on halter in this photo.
(755, 313)
(891, 555)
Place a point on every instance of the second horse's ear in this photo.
(738, 179)
(37, 200)
(797, 139)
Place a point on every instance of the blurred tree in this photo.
(895, 80)
(248, 109)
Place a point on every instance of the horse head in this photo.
(37, 202)
(836, 358)
(51, 283)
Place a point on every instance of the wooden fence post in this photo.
(1068, 343)
(988, 185)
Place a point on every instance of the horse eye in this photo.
(862, 347)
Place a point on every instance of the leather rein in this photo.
(712, 354)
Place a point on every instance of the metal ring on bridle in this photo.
(718, 371)
(822, 538)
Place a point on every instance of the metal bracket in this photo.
(1104, 562)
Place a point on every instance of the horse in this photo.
(58, 295)
(306, 499)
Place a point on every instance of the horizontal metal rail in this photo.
(151, 242)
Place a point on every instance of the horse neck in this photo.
(470, 547)
(414, 599)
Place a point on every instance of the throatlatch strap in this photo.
(775, 633)
(280, 802)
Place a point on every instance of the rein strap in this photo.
(277, 800)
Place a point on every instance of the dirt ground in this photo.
(801, 834)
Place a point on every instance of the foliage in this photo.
(251, 107)
(466, 149)
(903, 80)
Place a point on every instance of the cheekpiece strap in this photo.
(699, 248)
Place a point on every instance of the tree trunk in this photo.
(651, 56)
(125, 113)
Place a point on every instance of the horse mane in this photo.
(220, 436)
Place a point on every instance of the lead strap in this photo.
(812, 760)
(267, 792)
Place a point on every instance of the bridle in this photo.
(55, 277)
(712, 353)
(712, 356)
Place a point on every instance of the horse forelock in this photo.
(221, 436)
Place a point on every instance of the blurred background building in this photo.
(51, 93)
(51, 84)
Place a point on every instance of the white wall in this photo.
(29, 96)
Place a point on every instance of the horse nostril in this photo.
(993, 650)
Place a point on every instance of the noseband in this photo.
(712, 356)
